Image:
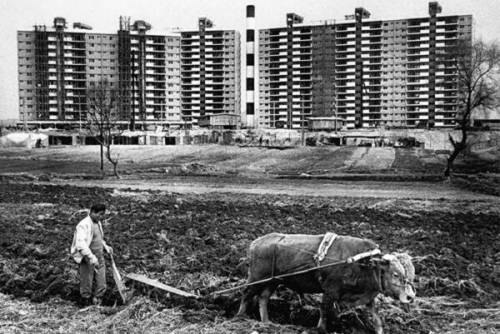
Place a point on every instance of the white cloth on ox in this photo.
(324, 246)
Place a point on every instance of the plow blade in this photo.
(118, 281)
(154, 283)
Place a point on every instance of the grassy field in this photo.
(252, 161)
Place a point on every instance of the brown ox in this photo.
(353, 284)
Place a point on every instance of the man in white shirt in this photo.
(88, 250)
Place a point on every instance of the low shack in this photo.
(223, 121)
(326, 123)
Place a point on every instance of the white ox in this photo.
(354, 284)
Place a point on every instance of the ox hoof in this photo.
(240, 316)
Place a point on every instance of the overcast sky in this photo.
(164, 15)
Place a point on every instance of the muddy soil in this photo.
(198, 242)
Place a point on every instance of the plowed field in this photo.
(198, 242)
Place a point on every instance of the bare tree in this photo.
(477, 68)
(102, 119)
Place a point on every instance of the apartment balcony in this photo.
(215, 41)
(275, 41)
(344, 71)
(188, 101)
(299, 51)
(342, 51)
(416, 89)
(280, 74)
(189, 38)
(447, 76)
(273, 90)
(192, 69)
(277, 60)
(77, 46)
(445, 89)
(448, 37)
(417, 60)
(301, 32)
(446, 96)
(348, 43)
(190, 83)
(373, 72)
(447, 23)
(218, 88)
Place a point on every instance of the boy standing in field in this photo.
(87, 250)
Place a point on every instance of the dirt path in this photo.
(200, 185)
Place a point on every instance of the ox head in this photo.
(396, 277)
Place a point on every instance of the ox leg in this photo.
(327, 311)
(246, 299)
(377, 322)
(263, 301)
(242, 311)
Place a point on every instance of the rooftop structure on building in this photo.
(370, 73)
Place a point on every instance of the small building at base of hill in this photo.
(326, 123)
(222, 121)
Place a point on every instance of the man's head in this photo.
(97, 212)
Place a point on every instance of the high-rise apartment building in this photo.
(148, 75)
(210, 72)
(57, 67)
(369, 72)
(52, 73)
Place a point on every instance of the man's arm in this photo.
(107, 247)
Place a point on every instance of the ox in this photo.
(350, 284)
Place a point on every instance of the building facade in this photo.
(149, 75)
(369, 73)
(157, 81)
(210, 72)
